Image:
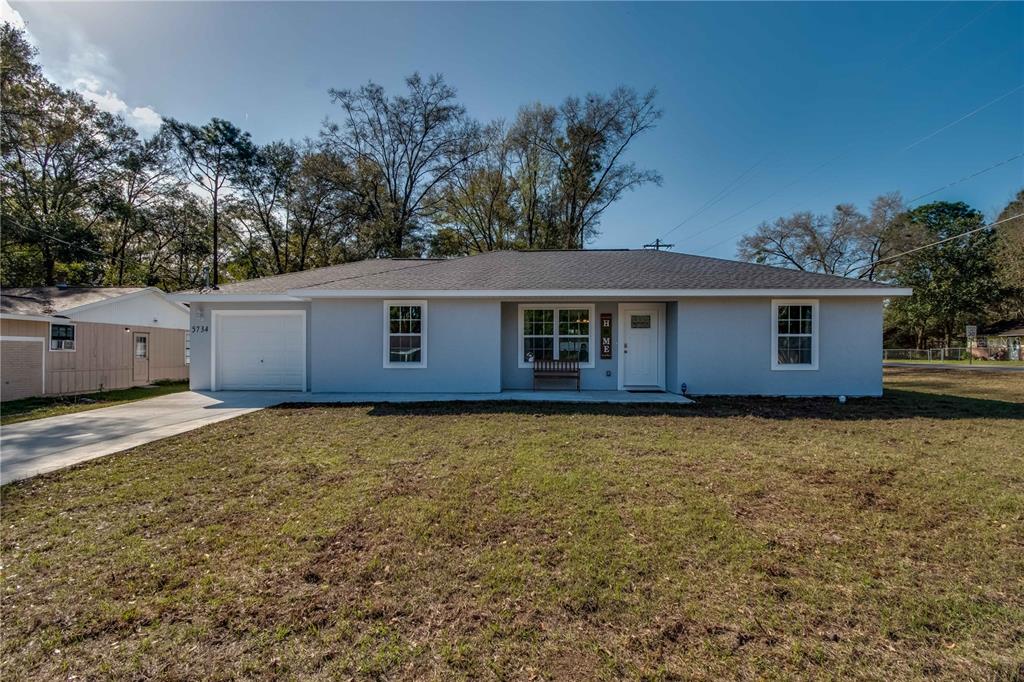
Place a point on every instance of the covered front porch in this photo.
(620, 347)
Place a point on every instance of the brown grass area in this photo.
(734, 538)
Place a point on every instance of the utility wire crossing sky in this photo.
(769, 108)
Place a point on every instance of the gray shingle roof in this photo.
(53, 300)
(280, 284)
(547, 270)
(561, 270)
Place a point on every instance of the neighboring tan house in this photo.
(627, 320)
(64, 340)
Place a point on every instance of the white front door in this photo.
(640, 348)
(260, 351)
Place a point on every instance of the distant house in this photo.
(1001, 341)
(627, 320)
(63, 340)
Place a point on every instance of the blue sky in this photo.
(790, 106)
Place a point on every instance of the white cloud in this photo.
(88, 71)
(145, 119)
(11, 15)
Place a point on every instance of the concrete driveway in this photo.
(35, 447)
(42, 445)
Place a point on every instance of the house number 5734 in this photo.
(200, 328)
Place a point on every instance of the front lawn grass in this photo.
(733, 538)
(15, 411)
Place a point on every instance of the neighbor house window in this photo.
(62, 337)
(794, 334)
(405, 325)
(556, 332)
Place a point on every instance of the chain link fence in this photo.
(996, 351)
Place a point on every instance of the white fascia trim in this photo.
(125, 297)
(236, 298)
(34, 318)
(566, 294)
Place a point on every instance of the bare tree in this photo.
(322, 207)
(845, 243)
(477, 204)
(144, 176)
(589, 146)
(210, 156)
(535, 174)
(408, 144)
(263, 180)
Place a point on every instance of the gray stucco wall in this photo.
(672, 384)
(602, 377)
(725, 348)
(715, 345)
(201, 320)
(463, 348)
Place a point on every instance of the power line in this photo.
(966, 178)
(822, 165)
(849, 148)
(757, 203)
(963, 118)
(911, 201)
(941, 241)
(724, 192)
(74, 246)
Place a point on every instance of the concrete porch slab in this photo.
(627, 397)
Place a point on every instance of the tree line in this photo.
(974, 276)
(86, 200)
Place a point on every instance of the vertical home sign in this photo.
(606, 336)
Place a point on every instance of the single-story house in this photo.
(1000, 341)
(632, 319)
(65, 340)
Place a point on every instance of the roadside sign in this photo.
(972, 334)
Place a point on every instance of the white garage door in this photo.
(263, 351)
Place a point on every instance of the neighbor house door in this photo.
(140, 360)
(642, 347)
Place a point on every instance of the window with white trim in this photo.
(556, 332)
(62, 337)
(405, 325)
(794, 334)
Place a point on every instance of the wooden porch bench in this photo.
(556, 369)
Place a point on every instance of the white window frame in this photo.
(523, 307)
(815, 333)
(49, 337)
(422, 364)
